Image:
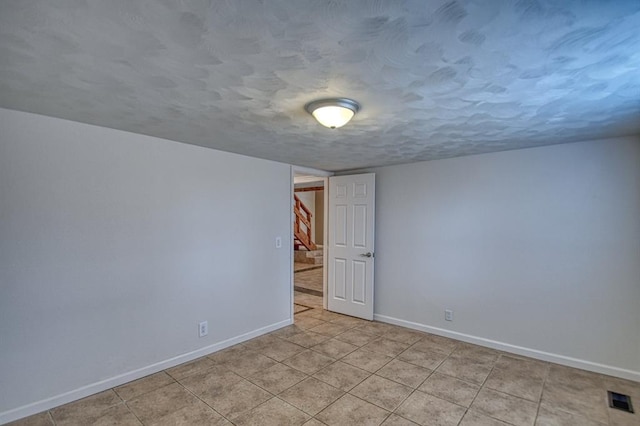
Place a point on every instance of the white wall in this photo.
(113, 246)
(536, 250)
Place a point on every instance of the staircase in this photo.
(302, 226)
(312, 257)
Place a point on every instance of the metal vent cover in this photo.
(620, 401)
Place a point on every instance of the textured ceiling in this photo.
(435, 79)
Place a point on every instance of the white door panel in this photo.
(350, 245)
(340, 279)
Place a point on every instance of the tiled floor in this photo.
(308, 300)
(309, 281)
(336, 370)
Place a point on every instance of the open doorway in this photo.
(348, 255)
(309, 234)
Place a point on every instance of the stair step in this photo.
(313, 257)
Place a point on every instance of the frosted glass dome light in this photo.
(333, 113)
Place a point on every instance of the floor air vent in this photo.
(620, 401)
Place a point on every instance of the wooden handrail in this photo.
(301, 206)
(302, 218)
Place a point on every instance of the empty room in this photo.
(320, 212)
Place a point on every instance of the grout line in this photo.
(544, 384)
(369, 402)
(134, 414)
(466, 409)
(51, 417)
(205, 403)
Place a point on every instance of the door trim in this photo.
(325, 234)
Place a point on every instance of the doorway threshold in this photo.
(301, 267)
(308, 291)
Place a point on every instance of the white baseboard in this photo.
(84, 391)
(518, 350)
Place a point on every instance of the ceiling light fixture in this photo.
(333, 113)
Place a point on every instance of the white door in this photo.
(351, 231)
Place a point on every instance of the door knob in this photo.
(368, 254)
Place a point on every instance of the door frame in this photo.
(325, 178)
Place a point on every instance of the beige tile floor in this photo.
(330, 369)
(309, 280)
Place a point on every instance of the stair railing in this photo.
(302, 217)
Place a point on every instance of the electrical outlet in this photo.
(448, 315)
(203, 328)
(278, 242)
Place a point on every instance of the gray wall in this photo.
(537, 251)
(113, 246)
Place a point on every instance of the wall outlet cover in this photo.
(448, 315)
(203, 328)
